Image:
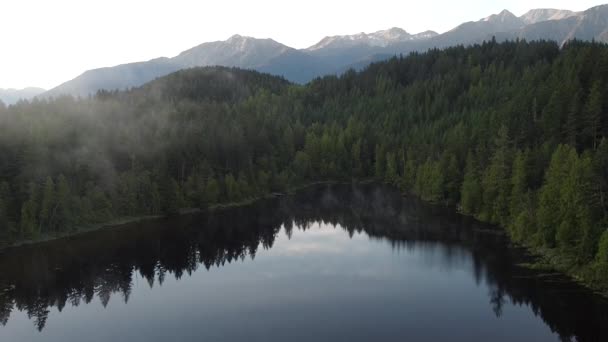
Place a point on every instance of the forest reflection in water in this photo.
(102, 264)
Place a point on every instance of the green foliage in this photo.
(409, 174)
(212, 191)
(568, 211)
(471, 192)
(602, 255)
(601, 266)
(522, 227)
(519, 184)
(357, 167)
(6, 226)
(172, 196)
(63, 212)
(550, 205)
(513, 133)
(380, 162)
(233, 191)
(429, 181)
(592, 115)
(48, 207)
(496, 182)
(302, 165)
(391, 175)
(29, 213)
(452, 177)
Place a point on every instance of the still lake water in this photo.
(333, 263)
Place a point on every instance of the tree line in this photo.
(512, 133)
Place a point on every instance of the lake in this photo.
(331, 263)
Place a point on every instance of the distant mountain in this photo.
(376, 39)
(473, 31)
(237, 51)
(264, 55)
(587, 25)
(544, 14)
(335, 54)
(118, 77)
(11, 96)
(298, 66)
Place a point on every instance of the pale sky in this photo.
(47, 42)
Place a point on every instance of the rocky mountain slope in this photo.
(334, 54)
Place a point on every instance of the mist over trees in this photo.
(512, 133)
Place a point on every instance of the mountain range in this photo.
(11, 96)
(335, 54)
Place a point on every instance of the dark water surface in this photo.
(333, 263)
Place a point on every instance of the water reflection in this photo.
(109, 263)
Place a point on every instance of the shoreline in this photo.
(550, 260)
(545, 260)
(126, 220)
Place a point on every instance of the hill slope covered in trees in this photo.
(511, 133)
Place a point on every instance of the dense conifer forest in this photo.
(510, 133)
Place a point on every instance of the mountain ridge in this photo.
(11, 96)
(545, 14)
(591, 24)
(335, 54)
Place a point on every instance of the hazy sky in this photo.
(47, 42)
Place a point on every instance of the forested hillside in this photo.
(511, 133)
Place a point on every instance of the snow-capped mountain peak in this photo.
(425, 35)
(545, 14)
(392, 34)
(502, 17)
(240, 43)
(381, 38)
(240, 51)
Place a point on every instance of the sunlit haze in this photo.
(48, 42)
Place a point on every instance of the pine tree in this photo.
(600, 166)
(380, 163)
(355, 155)
(243, 185)
(29, 213)
(470, 193)
(212, 191)
(496, 182)
(172, 197)
(592, 115)
(519, 184)
(263, 182)
(451, 177)
(302, 165)
(587, 211)
(602, 254)
(429, 181)
(391, 175)
(571, 129)
(523, 225)
(550, 214)
(409, 172)
(101, 204)
(48, 207)
(5, 198)
(232, 188)
(554, 113)
(64, 219)
(601, 263)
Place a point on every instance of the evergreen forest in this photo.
(512, 133)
